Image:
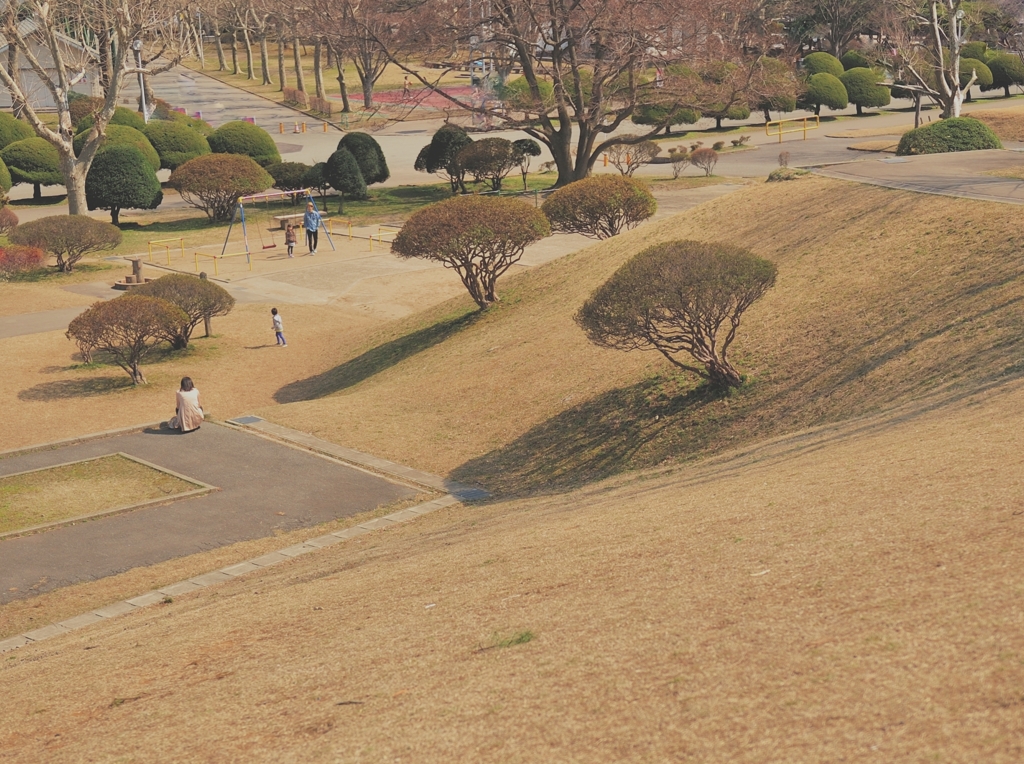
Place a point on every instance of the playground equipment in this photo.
(382, 231)
(166, 244)
(262, 217)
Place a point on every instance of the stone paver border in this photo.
(200, 490)
(229, 573)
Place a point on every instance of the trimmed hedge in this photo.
(824, 89)
(984, 74)
(343, 173)
(12, 130)
(854, 59)
(818, 63)
(122, 116)
(122, 135)
(5, 177)
(175, 143)
(600, 206)
(1007, 71)
(214, 182)
(122, 177)
(948, 135)
(246, 139)
(35, 161)
(369, 155)
(288, 176)
(863, 90)
(67, 237)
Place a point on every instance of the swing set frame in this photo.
(253, 200)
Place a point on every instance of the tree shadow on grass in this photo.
(373, 361)
(75, 388)
(622, 430)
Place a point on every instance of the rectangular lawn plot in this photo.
(79, 489)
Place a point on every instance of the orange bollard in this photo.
(605, 160)
(280, 127)
(325, 127)
(303, 127)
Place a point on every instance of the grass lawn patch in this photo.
(80, 489)
(1007, 124)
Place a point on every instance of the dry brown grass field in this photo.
(882, 296)
(1007, 123)
(853, 593)
(837, 578)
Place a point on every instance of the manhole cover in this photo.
(246, 420)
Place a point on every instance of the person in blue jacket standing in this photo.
(312, 221)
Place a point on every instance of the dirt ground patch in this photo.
(1008, 124)
(84, 488)
(849, 593)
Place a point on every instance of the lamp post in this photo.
(137, 47)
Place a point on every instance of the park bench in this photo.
(295, 219)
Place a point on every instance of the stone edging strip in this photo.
(311, 442)
(200, 490)
(229, 573)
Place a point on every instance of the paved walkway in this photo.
(259, 479)
(961, 174)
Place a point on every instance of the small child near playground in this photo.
(278, 327)
(291, 239)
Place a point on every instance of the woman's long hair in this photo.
(186, 384)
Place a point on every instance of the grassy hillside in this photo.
(883, 296)
(853, 594)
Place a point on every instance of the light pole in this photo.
(137, 47)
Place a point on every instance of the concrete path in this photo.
(264, 486)
(36, 323)
(961, 174)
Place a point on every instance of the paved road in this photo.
(962, 174)
(258, 479)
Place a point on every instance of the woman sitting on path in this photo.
(188, 412)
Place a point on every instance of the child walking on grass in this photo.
(278, 327)
(290, 239)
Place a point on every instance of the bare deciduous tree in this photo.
(39, 33)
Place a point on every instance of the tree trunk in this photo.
(249, 75)
(234, 53)
(103, 48)
(917, 110)
(330, 56)
(722, 375)
(206, 326)
(300, 79)
(37, 192)
(218, 44)
(12, 69)
(1006, 91)
(265, 61)
(860, 111)
(280, 62)
(115, 213)
(345, 107)
(74, 181)
(318, 71)
(138, 378)
(367, 84)
(147, 88)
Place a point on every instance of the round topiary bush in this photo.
(983, 75)
(122, 135)
(863, 90)
(122, 178)
(121, 116)
(5, 178)
(35, 161)
(1007, 71)
(368, 155)
(854, 59)
(478, 237)
(199, 299)
(245, 138)
(947, 135)
(824, 89)
(175, 143)
(342, 172)
(213, 183)
(315, 178)
(821, 62)
(67, 237)
(288, 176)
(600, 206)
(12, 130)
